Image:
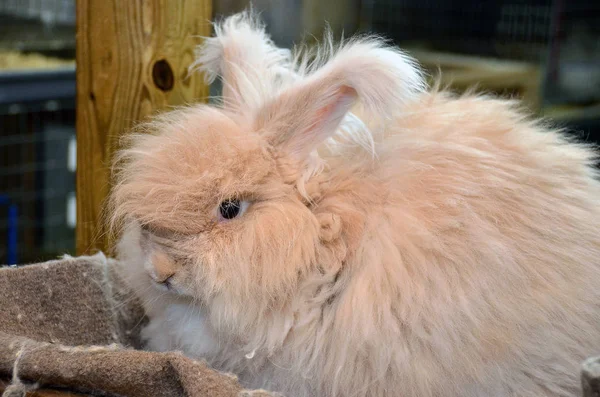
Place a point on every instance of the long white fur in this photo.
(384, 77)
(254, 71)
(251, 67)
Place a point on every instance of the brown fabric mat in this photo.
(71, 324)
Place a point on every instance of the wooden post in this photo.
(132, 60)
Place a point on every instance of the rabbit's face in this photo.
(221, 196)
(215, 214)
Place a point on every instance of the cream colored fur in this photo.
(426, 245)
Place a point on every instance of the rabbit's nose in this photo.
(163, 278)
(163, 267)
(167, 282)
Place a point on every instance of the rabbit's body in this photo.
(459, 257)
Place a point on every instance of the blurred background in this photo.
(546, 52)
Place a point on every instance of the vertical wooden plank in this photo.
(132, 60)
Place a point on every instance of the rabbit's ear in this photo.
(245, 58)
(381, 78)
(303, 117)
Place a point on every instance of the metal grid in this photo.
(515, 29)
(37, 165)
(50, 12)
(37, 133)
(562, 36)
(573, 64)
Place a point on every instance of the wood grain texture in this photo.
(132, 60)
(514, 79)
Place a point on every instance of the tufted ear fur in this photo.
(306, 113)
(245, 58)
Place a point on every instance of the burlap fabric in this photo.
(72, 325)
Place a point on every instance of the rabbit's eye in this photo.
(232, 208)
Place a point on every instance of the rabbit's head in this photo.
(222, 197)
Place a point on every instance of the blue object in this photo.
(11, 246)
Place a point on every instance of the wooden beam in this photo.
(504, 77)
(132, 60)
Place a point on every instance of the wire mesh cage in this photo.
(37, 164)
(514, 29)
(37, 129)
(50, 12)
(561, 36)
(37, 26)
(573, 69)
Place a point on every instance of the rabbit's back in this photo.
(476, 271)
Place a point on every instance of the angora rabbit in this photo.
(336, 228)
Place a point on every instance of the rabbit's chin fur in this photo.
(458, 255)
